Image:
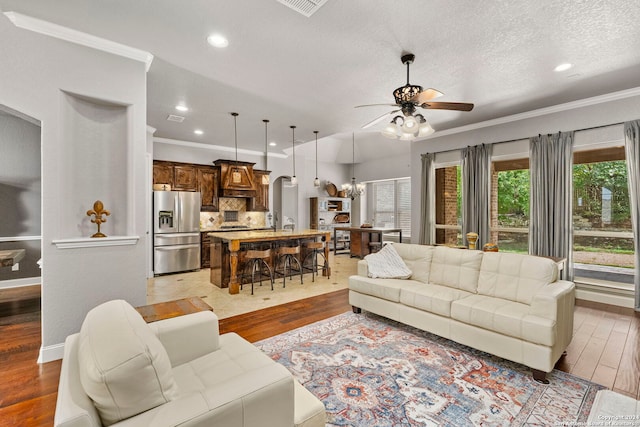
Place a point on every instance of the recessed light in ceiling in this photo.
(198, 132)
(563, 67)
(181, 107)
(217, 40)
(273, 144)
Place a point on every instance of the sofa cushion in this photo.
(435, 299)
(388, 289)
(515, 277)
(456, 268)
(417, 258)
(387, 264)
(505, 317)
(123, 366)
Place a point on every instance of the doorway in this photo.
(285, 203)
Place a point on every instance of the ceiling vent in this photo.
(174, 118)
(305, 7)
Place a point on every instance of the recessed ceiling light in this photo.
(273, 144)
(181, 107)
(562, 67)
(198, 132)
(218, 40)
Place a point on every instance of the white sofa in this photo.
(510, 305)
(122, 371)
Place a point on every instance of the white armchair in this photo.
(121, 371)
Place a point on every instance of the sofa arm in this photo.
(556, 301)
(188, 337)
(552, 298)
(258, 398)
(363, 268)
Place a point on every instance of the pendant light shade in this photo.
(294, 178)
(316, 182)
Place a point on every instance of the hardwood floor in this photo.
(605, 347)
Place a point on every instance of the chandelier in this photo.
(353, 189)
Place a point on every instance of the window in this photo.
(510, 205)
(603, 238)
(449, 205)
(392, 204)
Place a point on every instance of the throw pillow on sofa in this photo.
(124, 368)
(387, 264)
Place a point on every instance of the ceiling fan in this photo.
(408, 97)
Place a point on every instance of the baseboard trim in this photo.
(610, 303)
(50, 353)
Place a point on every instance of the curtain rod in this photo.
(528, 137)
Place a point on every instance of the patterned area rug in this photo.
(371, 371)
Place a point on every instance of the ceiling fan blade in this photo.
(375, 105)
(379, 119)
(426, 95)
(458, 106)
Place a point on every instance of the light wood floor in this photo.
(605, 347)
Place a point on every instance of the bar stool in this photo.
(255, 258)
(315, 249)
(285, 256)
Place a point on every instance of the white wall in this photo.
(581, 117)
(35, 71)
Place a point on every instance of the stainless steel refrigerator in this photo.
(176, 231)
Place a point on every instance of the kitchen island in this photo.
(227, 250)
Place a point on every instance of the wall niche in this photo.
(94, 146)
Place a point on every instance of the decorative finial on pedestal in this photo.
(98, 210)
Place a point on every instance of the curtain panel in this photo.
(551, 203)
(428, 201)
(476, 192)
(632, 154)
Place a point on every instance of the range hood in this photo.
(236, 178)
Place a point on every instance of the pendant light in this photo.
(316, 182)
(294, 178)
(236, 175)
(265, 177)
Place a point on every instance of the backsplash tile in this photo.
(213, 220)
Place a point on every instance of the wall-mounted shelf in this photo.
(88, 242)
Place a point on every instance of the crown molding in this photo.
(614, 96)
(78, 37)
(202, 146)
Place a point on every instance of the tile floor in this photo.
(183, 285)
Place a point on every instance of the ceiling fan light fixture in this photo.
(410, 124)
(390, 130)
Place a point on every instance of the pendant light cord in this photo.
(235, 133)
(353, 156)
(266, 145)
(293, 143)
(316, 132)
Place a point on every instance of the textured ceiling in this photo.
(311, 72)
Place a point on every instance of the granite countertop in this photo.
(266, 234)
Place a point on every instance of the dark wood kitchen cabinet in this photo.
(180, 176)
(163, 173)
(185, 177)
(205, 250)
(208, 182)
(260, 203)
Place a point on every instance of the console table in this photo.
(360, 238)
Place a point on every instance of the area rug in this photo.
(371, 371)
